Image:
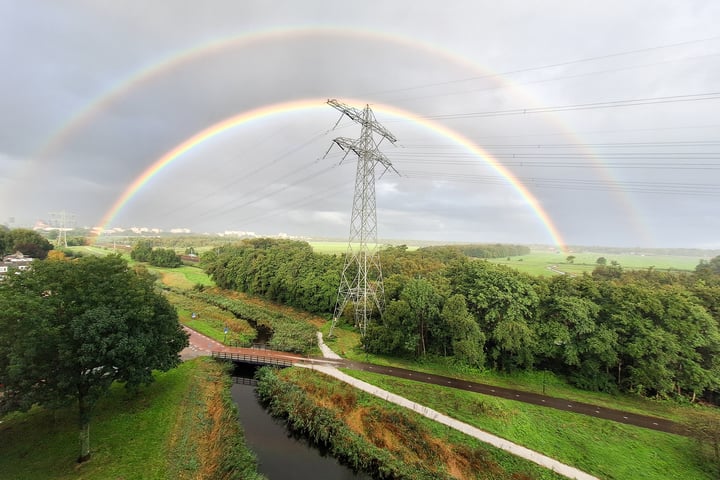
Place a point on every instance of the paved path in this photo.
(619, 416)
(202, 345)
(501, 443)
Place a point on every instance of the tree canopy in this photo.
(143, 251)
(24, 240)
(647, 332)
(69, 329)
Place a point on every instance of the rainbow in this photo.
(143, 76)
(176, 59)
(308, 104)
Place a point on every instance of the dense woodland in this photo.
(645, 332)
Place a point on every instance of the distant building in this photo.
(15, 261)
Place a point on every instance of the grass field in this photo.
(332, 248)
(539, 263)
(606, 449)
(183, 278)
(179, 427)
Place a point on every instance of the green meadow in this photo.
(550, 263)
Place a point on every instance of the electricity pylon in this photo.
(361, 279)
(62, 222)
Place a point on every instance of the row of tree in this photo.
(143, 251)
(489, 250)
(654, 333)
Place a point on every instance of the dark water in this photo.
(264, 334)
(280, 456)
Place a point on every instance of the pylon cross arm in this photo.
(353, 145)
(358, 116)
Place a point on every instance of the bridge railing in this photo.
(256, 359)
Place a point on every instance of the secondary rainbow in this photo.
(165, 65)
(308, 104)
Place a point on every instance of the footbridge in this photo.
(256, 359)
(269, 357)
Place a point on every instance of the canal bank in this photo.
(281, 454)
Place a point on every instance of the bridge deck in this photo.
(257, 359)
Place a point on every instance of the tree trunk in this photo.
(84, 442)
(84, 413)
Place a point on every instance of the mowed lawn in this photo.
(128, 435)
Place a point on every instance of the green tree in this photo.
(4, 232)
(27, 241)
(467, 339)
(708, 267)
(69, 329)
(424, 303)
(165, 257)
(504, 302)
(142, 251)
(570, 259)
(396, 333)
(601, 261)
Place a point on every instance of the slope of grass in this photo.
(606, 449)
(346, 342)
(382, 438)
(135, 436)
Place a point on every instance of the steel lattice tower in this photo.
(361, 279)
(62, 222)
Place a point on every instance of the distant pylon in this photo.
(361, 279)
(62, 222)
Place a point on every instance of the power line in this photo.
(688, 143)
(581, 106)
(324, 194)
(684, 189)
(246, 175)
(553, 79)
(546, 66)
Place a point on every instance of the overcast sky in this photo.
(607, 113)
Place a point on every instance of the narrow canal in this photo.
(280, 455)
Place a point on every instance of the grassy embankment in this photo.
(598, 446)
(182, 426)
(603, 448)
(381, 438)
